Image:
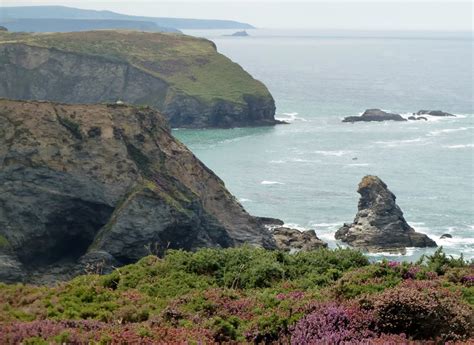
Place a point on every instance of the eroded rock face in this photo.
(374, 115)
(379, 224)
(294, 240)
(88, 184)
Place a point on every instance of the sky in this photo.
(424, 15)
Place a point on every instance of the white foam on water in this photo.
(460, 146)
(337, 153)
(356, 165)
(448, 130)
(245, 200)
(277, 161)
(395, 143)
(409, 252)
(299, 160)
(290, 117)
(270, 182)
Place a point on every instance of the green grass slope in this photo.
(190, 65)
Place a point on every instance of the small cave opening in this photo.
(67, 234)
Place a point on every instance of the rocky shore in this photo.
(377, 115)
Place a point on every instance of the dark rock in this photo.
(242, 33)
(374, 115)
(379, 224)
(417, 118)
(292, 239)
(434, 113)
(90, 187)
(446, 236)
(2, 28)
(270, 221)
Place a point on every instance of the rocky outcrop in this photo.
(415, 118)
(374, 115)
(183, 77)
(379, 224)
(88, 185)
(2, 28)
(242, 33)
(443, 236)
(433, 113)
(288, 239)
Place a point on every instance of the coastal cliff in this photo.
(82, 185)
(183, 77)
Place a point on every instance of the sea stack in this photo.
(379, 225)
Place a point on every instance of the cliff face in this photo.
(183, 77)
(89, 184)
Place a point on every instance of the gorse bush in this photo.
(248, 295)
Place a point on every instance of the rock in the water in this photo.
(242, 33)
(374, 115)
(434, 113)
(417, 118)
(2, 28)
(292, 239)
(272, 222)
(85, 185)
(446, 236)
(379, 224)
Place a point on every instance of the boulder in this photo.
(84, 186)
(446, 236)
(434, 113)
(288, 239)
(417, 118)
(374, 115)
(2, 28)
(379, 225)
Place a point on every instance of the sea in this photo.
(306, 173)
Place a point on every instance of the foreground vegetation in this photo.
(246, 295)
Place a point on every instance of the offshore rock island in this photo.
(183, 77)
(379, 224)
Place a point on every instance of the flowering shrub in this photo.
(423, 310)
(333, 324)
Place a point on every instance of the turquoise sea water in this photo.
(306, 173)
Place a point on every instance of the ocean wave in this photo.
(409, 251)
(337, 153)
(290, 117)
(277, 161)
(245, 200)
(448, 130)
(394, 143)
(299, 160)
(356, 165)
(270, 182)
(460, 146)
(432, 118)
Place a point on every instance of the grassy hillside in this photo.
(249, 295)
(191, 65)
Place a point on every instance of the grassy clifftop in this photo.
(190, 65)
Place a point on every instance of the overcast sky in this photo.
(444, 15)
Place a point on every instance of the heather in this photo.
(248, 295)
